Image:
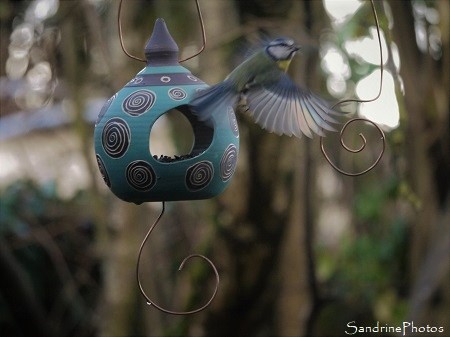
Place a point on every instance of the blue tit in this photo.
(274, 101)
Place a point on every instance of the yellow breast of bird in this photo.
(284, 65)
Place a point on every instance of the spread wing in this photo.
(284, 108)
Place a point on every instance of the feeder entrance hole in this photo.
(191, 137)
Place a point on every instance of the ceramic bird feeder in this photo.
(122, 133)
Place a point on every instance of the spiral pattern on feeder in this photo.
(233, 122)
(103, 171)
(104, 109)
(139, 102)
(177, 94)
(199, 175)
(141, 175)
(116, 137)
(228, 162)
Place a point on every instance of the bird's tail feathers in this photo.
(215, 98)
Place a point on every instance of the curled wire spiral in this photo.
(150, 301)
(361, 148)
(202, 26)
(364, 141)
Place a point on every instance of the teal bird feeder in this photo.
(122, 133)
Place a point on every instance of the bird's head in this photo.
(282, 49)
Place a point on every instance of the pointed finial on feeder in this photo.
(161, 48)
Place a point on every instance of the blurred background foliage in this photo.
(302, 250)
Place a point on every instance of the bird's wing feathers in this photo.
(273, 100)
(283, 108)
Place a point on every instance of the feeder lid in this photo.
(161, 48)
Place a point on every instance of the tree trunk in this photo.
(427, 153)
(263, 210)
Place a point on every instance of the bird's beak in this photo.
(295, 47)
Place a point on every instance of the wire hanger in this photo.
(202, 26)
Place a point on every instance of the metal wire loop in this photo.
(153, 303)
(202, 26)
(364, 141)
(361, 148)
